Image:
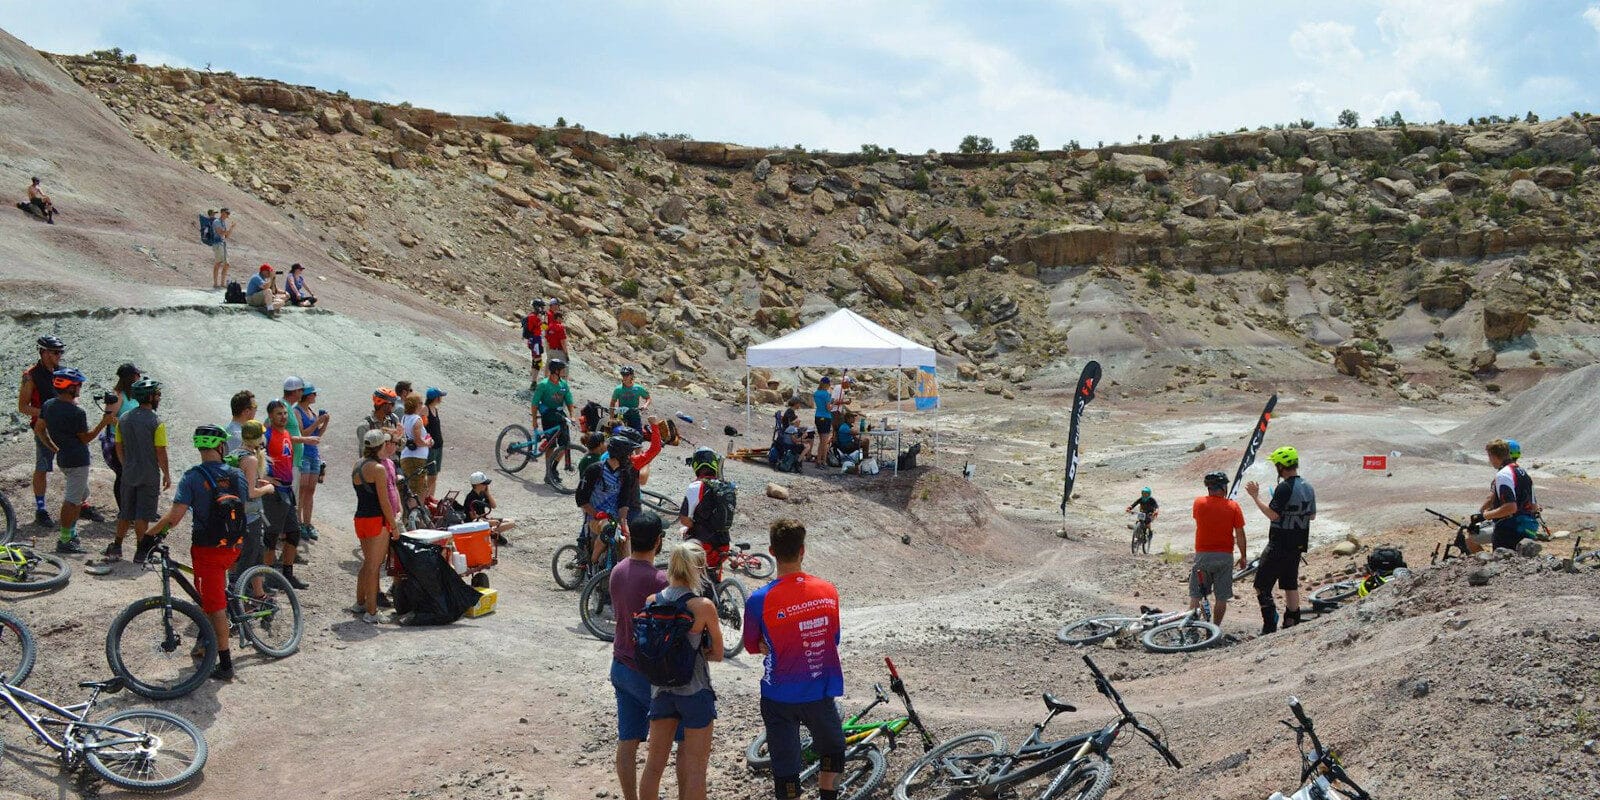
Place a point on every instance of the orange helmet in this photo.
(383, 394)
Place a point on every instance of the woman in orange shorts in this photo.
(375, 522)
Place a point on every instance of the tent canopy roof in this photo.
(842, 339)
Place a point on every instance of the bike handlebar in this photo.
(893, 673)
(1299, 712)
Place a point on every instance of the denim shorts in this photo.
(44, 459)
(633, 702)
(692, 711)
(308, 465)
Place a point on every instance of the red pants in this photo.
(211, 575)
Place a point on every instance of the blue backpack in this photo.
(208, 233)
(661, 646)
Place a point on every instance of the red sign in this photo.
(1375, 462)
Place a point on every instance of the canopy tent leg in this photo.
(747, 400)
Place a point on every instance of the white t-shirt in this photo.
(414, 432)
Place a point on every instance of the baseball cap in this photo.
(293, 383)
(826, 379)
(477, 478)
(434, 393)
(297, 268)
(374, 437)
(308, 391)
(265, 268)
(252, 430)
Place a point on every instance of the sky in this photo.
(829, 74)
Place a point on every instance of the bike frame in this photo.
(73, 717)
(541, 441)
(1462, 546)
(1319, 763)
(173, 572)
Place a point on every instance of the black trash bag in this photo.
(432, 593)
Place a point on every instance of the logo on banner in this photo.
(1375, 462)
(926, 389)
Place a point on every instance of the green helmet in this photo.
(1145, 490)
(144, 389)
(705, 458)
(1286, 457)
(209, 437)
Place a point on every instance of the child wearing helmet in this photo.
(64, 429)
(1146, 503)
(1292, 508)
(479, 504)
(707, 510)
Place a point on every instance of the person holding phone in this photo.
(262, 291)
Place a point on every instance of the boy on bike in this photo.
(1146, 503)
(1218, 528)
(1291, 510)
(551, 397)
(609, 487)
(630, 399)
(706, 513)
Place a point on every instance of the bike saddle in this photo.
(1054, 704)
(1149, 610)
(743, 545)
(108, 686)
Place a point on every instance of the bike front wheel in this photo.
(864, 768)
(23, 569)
(17, 649)
(146, 750)
(1183, 636)
(1085, 780)
(8, 518)
(730, 598)
(758, 566)
(513, 448)
(268, 611)
(555, 457)
(757, 757)
(1093, 630)
(659, 503)
(150, 643)
(567, 565)
(595, 609)
(952, 768)
(1336, 592)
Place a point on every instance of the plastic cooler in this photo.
(473, 540)
(440, 538)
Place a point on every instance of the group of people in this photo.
(838, 432)
(264, 293)
(545, 333)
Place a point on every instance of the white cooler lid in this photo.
(469, 527)
(429, 536)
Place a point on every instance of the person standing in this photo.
(127, 374)
(142, 450)
(631, 399)
(555, 333)
(414, 458)
(822, 399)
(64, 428)
(243, 406)
(692, 707)
(36, 389)
(222, 232)
(533, 335)
(308, 422)
(1218, 529)
(377, 520)
(633, 580)
(250, 459)
(382, 418)
(433, 399)
(1293, 507)
(1511, 504)
(278, 507)
(794, 623)
(214, 547)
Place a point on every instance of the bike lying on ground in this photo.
(1459, 547)
(864, 762)
(16, 648)
(1320, 768)
(515, 447)
(1141, 533)
(162, 647)
(1161, 632)
(664, 506)
(977, 764)
(1383, 565)
(24, 569)
(759, 566)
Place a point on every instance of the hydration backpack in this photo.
(234, 294)
(713, 515)
(225, 525)
(208, 233)
(661, 647)
(530, 327)
(1384, 560)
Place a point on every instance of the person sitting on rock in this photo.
(262, 291)
(299, 293)
(41, 202)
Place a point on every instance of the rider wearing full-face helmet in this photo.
(1291, 510)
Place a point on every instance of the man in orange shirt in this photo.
(1218, 528)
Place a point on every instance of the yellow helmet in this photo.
(1286, 457)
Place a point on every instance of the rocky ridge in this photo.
(1363, 251)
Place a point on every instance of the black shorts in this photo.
(783, 721)
(279, 510)
(824, 424)
(1280, 565)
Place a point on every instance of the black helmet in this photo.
(144, 389)
(1216, 481)
(538, 302)
(629, 433)
(621, 446)
(627, 370)
(128, 370)
(51, 342)
(557, 365)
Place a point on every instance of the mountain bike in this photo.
(1462, 544)
(571, 564)
(864, 762)
(1141, 533)
(16, 648)
(163, 647)
(661, 504)
(759, 566)
(1320, 767)
(599, 615)
(1160, 631)
(24, 569)
(1247, 570)
(140, 749)
(515, 447)
(1079, 767)
(8, 518)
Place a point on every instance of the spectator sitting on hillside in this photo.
(41, 201)
(262, 292)
(295, 286)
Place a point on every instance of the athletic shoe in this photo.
(71, 546)
(294, 580)
(113, 551)
(308, 533)
(370, 619)
(41, 518)
(356, 609)
(383, 601)
(91, 514)
(220, 673)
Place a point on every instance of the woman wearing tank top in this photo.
(414, 458)
(375, 519)
(692, 706)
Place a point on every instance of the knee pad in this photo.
(292, 537)
(1264, 597)
(786, 788)
(832, 762)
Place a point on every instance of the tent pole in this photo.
(747, 398)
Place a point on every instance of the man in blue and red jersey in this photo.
(794, 623)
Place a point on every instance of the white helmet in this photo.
(477, 478)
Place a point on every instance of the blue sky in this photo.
(910, 75)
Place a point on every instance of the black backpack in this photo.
(234, 294)
(1384, 560)
(225, 525)
(713, 515)
(661, 647)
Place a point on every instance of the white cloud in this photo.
(1592, 15)
(1326, 43)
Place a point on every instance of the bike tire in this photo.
(273, 625)
(8, 517)
(1086, 780)
(1183, 636)
(1093, 630)
(932, 777)
(567, 566)
(176, 742)
(512, 461)
(1138, 537)
(17, 649)
(759, 566)
(1336, 592)
(1145, 543)
(864, 768)
(552, 473)
(730, 599)
(161, 676)
(24, 569)
(595, 609)
(659, 503)
(756, 756)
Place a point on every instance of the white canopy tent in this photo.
(843, 339)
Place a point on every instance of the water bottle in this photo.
(458, 562)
